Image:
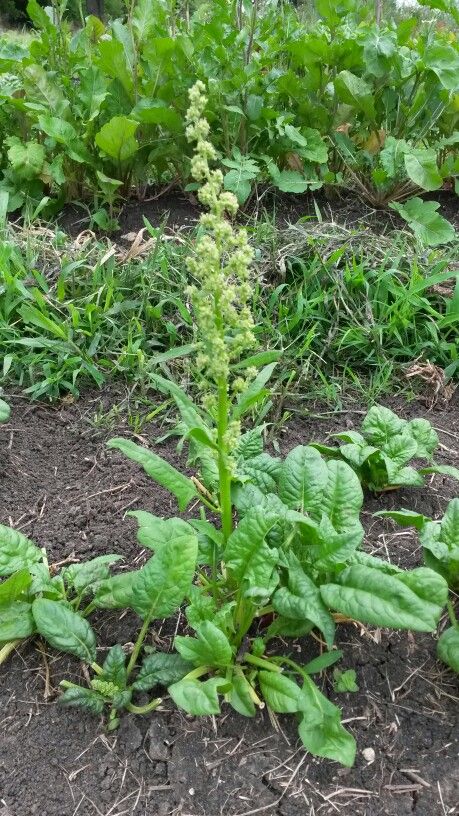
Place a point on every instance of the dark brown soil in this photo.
(180, 210)
(62, 487)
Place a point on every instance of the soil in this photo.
(64, 489)
(180, 210)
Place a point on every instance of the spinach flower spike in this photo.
(221, 267)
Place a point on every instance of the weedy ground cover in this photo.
(293, 557)
(295, 104)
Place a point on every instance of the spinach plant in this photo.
(37, 600)
(440, 544)
(380, 453)
(283, 557)
(5, 411)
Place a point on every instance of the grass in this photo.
(350, 311)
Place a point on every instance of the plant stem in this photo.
(262, 663)
(138, 645)
(144, 709)
(6, 650)
(223, 470)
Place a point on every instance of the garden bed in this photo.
(64, 489)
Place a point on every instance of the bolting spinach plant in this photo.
(283, 557)
(440, 544)
(381, 451)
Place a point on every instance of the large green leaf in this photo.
(281, 694)
(114, 666)
(165, 579)
(197, 697)
(301, 599)
(116, 592)
(303, 478)
(354, 91)
(448, 648)
(14, 586)
(321, 730)
(16, 621)
(408, 600)
(64, 629)
(17, 552)
(160, 669)
(381, 424)
(210, 647)
(27, 159)
(80, 697)
(428, 226)
(117, 139)
(161, 471)
(5, 411)
(157, 112)
(88, 574)
(421, 168)
(241, 697)
(342, 497)
(248, 557)
(113, 62)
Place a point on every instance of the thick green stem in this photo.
(224, 473)
(144, 709)
(262, 663)
(6, 650)
(138, 645)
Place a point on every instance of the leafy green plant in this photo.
(37, 600)
(5, 411)
(285, 557)
(427, 224)
(380, 453)
(440, 544)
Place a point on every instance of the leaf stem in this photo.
(138, 645)
(262, 663)
(146, 708)
(223, 470)
(451, 613)
(6, 650)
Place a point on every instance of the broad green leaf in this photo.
(92, 92)
(160, 669)
(250, 444)
(114, 666)
(302, 599)
(157, 112)
(291, 181)
(354, 91)
(421, 168)
(197, 697)
(14, 586)
(443, 470)
(210, 647)
(406, 518)
(5, 411)
(262, 470)
(443, 59)
(165, 579)
(426, 438)
(248, 558)
(408, 600)
(318, 664)
(16, 621)
(79, 697)
(17, 552)
(83, 576)
(27, 159)
(343, 496)
(323, 734)
(428, 226)
(113, 62)
(240, 697)
(280, 693)
(381, 424)
(42, 92)
(448, 648)
(117, 139)
(143, 19)
(161, 471)
(64, 629)
(116, 592)
(155, 532)
(450, 524)
(398, 451)
(303, 478)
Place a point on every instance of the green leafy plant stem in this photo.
(146, 708)
(224, 473)
(138, 644)
(262, 663)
